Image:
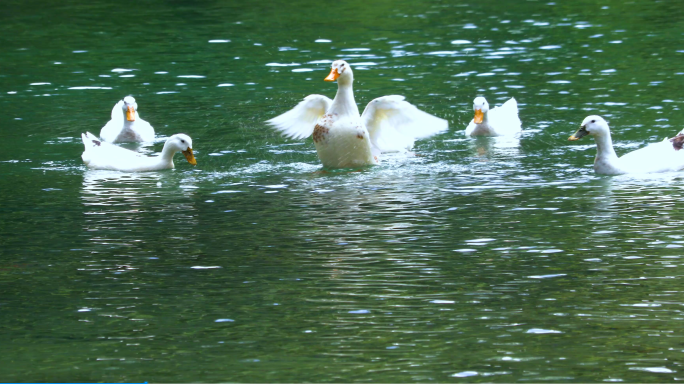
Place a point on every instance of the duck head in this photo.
(341, 71)
(181, 143)
(592, 125)
(480, 106)
(130, 107)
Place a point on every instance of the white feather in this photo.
(394, 124)
(653, 158)
(116, 111)
(299, 122)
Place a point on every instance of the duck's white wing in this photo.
(505, 117)
(144, 129)
(300, 121)
(111, 130)
(117, 111)
(394, 124)
(470, 128)
(114, 126)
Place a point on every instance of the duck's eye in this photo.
(593, 121)
(182, 141)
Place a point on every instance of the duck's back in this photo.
(102, 155)
(663, 156)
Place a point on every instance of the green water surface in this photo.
(485, 260)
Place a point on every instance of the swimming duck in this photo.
(664, 156)
(102, 155)
(499, 121)
(126, 125)
(342, 137)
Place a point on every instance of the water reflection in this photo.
(112, 188)
(123, 208)
(359, 254)
(500, 147)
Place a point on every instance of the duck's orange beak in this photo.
(333, 75)
(189, 156)
(130, 113)
(478, 116)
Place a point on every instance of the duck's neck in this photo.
(128, 124)
(605, 154)
(344, 103)
(167, 154)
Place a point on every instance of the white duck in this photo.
(101, 155)
(126, 125)
(342, 137)
(664, 156)
(499, 121)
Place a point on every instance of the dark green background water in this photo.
(472, 260)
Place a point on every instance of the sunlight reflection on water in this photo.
(510, 249)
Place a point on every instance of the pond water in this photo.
(468, 260)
